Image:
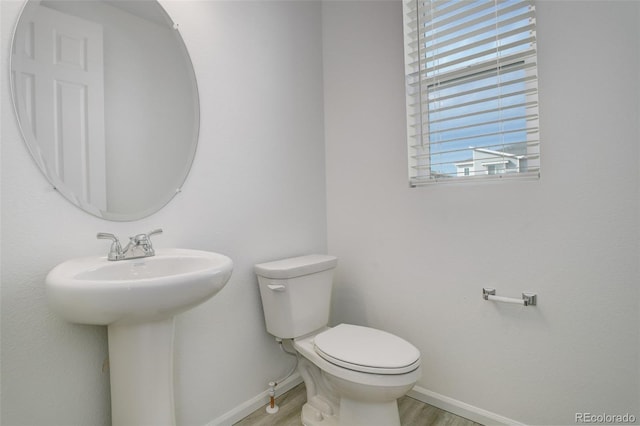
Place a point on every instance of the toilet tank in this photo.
(296, 294)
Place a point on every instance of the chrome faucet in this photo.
(138, 246)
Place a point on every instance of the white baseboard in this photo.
(443, 402)
(460, 408)
(261, 400)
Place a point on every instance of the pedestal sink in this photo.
(137, 300)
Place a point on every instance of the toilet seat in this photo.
(366, 350)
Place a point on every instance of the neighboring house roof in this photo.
(497, 153)
(492, 152)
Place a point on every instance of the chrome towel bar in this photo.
(528, 299)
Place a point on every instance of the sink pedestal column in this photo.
(141, 371)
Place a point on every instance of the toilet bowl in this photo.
(366, 375)
(353, 374)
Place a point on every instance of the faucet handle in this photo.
(108, 236)
(154, 232)
(115, 252)
(149, 234)
(144, 238)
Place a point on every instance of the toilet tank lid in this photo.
(296, 266)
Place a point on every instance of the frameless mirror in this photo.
(107, 102)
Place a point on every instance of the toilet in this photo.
(353, 374)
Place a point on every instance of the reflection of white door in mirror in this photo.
(64, 100)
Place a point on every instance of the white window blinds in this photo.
(472, 91)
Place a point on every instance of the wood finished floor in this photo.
(412, 413)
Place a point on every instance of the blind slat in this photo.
(511, 60)
(489, 40)
(503, 71)
(481, 135)
(472, 102)
(484, 13)
(434, 134)
(487, 31)
(525, 13)
(526, 105)
(499, 147)
(491, 50)
(433, 18)
(434, 97)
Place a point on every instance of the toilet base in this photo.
(358, 413)
(311, 416)
(354, 413)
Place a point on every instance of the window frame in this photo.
(421, 169)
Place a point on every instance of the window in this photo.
(472, 91)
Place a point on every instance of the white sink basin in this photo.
(94, 290)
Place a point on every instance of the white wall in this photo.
(256, 192)
(572, 237)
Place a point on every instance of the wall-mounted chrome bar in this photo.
(528, 299)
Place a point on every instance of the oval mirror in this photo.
(107, 102)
